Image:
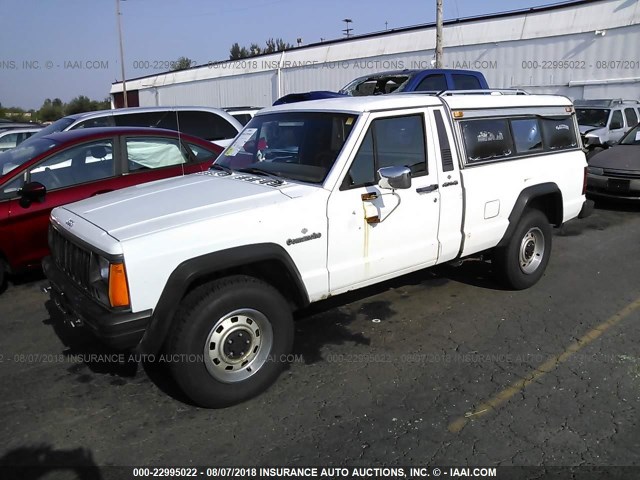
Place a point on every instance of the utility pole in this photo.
(439, 34)
(124, 82)
(347, 31)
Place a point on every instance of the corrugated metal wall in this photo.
(561, 51)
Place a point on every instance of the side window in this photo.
(144, 153)
(443, 139)
(362, 171)
(10, 189)
(397, 141)
(80, 164)
(559, 134)
(243, 118)
(8, 141)
(201, 154)
(106, 121)
(632, 117)
(162, 119)
(206, 125)
(616, 120)
(487, 139)
(436, 82)
(465, 82)
(526, 135)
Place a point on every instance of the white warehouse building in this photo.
(582, 49)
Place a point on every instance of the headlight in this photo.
(109, 282)
(592, 140)
(595, 171)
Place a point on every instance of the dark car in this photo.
(615, 172)
(65, 167)
(432, 80)
(382, 83)
(303, 97)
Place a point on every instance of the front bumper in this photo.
(613, 187)
(117, 329)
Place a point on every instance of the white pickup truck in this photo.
(312, 200)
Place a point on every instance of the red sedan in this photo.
(65, 167)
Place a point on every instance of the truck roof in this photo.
(412, 100)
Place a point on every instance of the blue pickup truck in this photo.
(432, 80)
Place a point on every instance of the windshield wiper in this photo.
(260, 171)
(224, 168)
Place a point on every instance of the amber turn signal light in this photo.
(118, 289)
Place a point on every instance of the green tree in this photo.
(236, 52)
(183, 63)
(276, 45)
(254, 50)
(84, 104)
(51, 110)
(78, 105)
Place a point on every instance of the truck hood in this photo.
(154, 206)
(590, 129)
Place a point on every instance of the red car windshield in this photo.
(12, 159)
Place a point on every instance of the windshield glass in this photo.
(376, 85)
(57, 126)
(295, 145)
(594, 117)
(24, 152)
(632, 137)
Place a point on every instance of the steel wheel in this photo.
(531, 250)
(238, 345)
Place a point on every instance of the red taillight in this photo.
(584, 182)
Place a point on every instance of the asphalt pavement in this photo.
(441, 367)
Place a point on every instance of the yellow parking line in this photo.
(502, 397)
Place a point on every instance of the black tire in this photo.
(244, 310)
(522, 262)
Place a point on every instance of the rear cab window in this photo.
(433, 83)
(493, 139)
(465, 82)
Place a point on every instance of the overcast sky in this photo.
(66, 48)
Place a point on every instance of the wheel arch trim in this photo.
(526, 198)
(191, 271)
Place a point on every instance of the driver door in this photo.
(374, 233)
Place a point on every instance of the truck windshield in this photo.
(299, 146)
(593, 117)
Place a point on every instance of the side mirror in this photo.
(392, 178)
(32, 192)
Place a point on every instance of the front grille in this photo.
(70, 258)
(621, 173)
